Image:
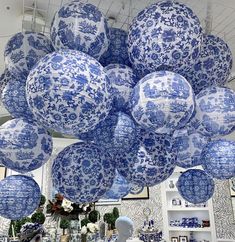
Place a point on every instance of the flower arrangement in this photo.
(61, 207)
(89, 228)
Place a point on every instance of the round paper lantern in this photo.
(149, 162)
(119, 189)
(69, 92)
(115, 134)
(188, 147)
(4, 79)
(122, 80)
(165, 35)
(14, 100)
(162, 101)
(24, 50)
(117, 52)
(213, 66)
(83, 173)
(218, 159)
(215, 112)
(195, 186)
(19, 197)
(80, 26)
(24, 146)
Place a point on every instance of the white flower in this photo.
(91, 227)
(84, 230)
(96, 227)
(67, 205)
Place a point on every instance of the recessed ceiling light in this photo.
(8, 7)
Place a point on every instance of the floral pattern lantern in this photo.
(119, 189)
(14, 100)
(215, 112)
(80, 26)
(19, 197)
(115, 134)
(188, 146)
(149, 162)
(164, 36)
(117, 52)
(213, 66)
(69, 92)
(4, 79)
(195, 186)
(83, 173)
(162, 101)
(23, 146)
(218, 159)
(122, 80)
(24, 50)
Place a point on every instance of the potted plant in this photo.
(38, 217)
(64, 224)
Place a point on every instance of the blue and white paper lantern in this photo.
(213, 66)
(14, 100)
(149, 162)
(188, 147)
(24, 146)
(195, 186)
(69, 92)
(24, 50)
(164, 36)
(80, 26)
(117, 52)
(119, 189)
(215, 112)
(162, 101)
(218, 159)
(116, 134)
(19, 197)
(4, 79)
(83, 173)
(122, 80)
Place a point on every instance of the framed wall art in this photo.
(135, 193)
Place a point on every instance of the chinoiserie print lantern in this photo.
(164, 36)
(213, 65)
(4, 79)
(24, 146)
(122, 79)
(83, 173)
(162, 101)
(24, 50)
(80, 26)
(69, 92)
(117, 52)
(218, 159)
(215, 112)
(195, 186)
(149, 162)
(19, 197)
(188, 146)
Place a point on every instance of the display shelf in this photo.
(185, 209)
(190, 229)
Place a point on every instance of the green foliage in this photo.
(111, 218)
(85, 221)
(43, 200)
(116, 212)
(17, 225)
(94, 216)
(64, 224)
(38, 217)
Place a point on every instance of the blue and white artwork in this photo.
(188, 146)
(117, 52)
(19, 197)
(215, 112)
(116, 134)
(119, 189)
(80, 26)
(69, 92)
(24, 50)
(122, 80)
(136, 189)
(4, 79)
(162, 101)
(14, 100)
(213, 66)
(83, 173)
(195, 186)
(218, 159)
(24, 147)
(164, 36)
(149, 162)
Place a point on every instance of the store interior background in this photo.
(217, 17)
